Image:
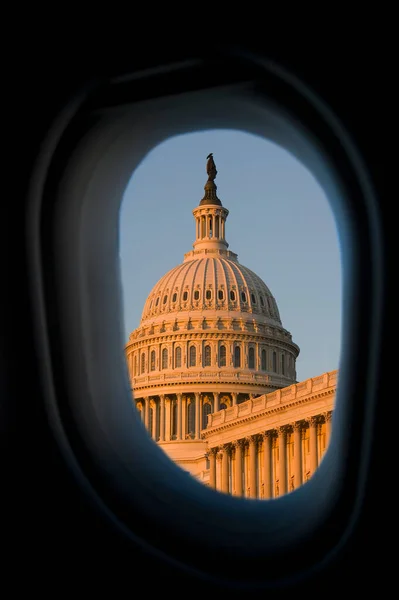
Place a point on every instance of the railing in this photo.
(255, 405)
(144, 380)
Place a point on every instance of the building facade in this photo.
(213, 371)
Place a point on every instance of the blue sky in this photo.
(280, 224)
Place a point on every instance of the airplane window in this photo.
(293, 224)
(83, 229)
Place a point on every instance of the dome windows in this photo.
(263, 360)
(243, 297)
(157, 302)
(165, 299)
(222, 356)
(262, 301)
(220, 295)
(196, 295)
(164, 358)
(178, 357)
(174, 297)
(193, 356)
(237, 356)
(251, 358)
(208, 294)
(207, 356)
(253, 298)
(185, 296)
(232, 295)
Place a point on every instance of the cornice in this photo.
(206, 433)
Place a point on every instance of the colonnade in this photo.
(181, 416)
(271, 463)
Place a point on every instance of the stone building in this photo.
(214, 371)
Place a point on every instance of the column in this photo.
(153, 407)
(162, 418)
(328, 427)
(197, 415)
(147, 412)
(167, 418)
(219, 469)
(179, 415)
(267, 464)
(184, 419)
(282, 463)
(297, 454)
(234, 398)
(313, 424)
(142, 412)
(252, 466)
(215, 401)
(225, 469)
(238, 467)
(212, 467)
(213, 225)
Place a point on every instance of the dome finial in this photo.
(210, 186)
(211, 167)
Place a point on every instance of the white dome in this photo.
(211, 283)
(210, 324)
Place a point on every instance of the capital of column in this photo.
(252, 439)
(328, 416)
(313, 421)
(268, 434)
(238, 443)
(227, 448)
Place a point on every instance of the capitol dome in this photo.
(210, 335)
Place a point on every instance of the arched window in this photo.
(193, 356)
(165, 298)
(178, 357)
(274, 362)
(283, 364)
(191, 417)
(253, 298)
(262, 301)
(152, 360)
(220, 295)
(207, 409)
(208, 294)
(207, 356)
(142, 366)
(222, 356)
(243, 296)
(185, 296)
(237, 356)
(232, 296)
(251, 358)
(165, 358)
(263, 360)
(196, 295)
(174, 297)
(157, 302)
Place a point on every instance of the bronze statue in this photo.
(211, 167)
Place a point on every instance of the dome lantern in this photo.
(210, 216)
